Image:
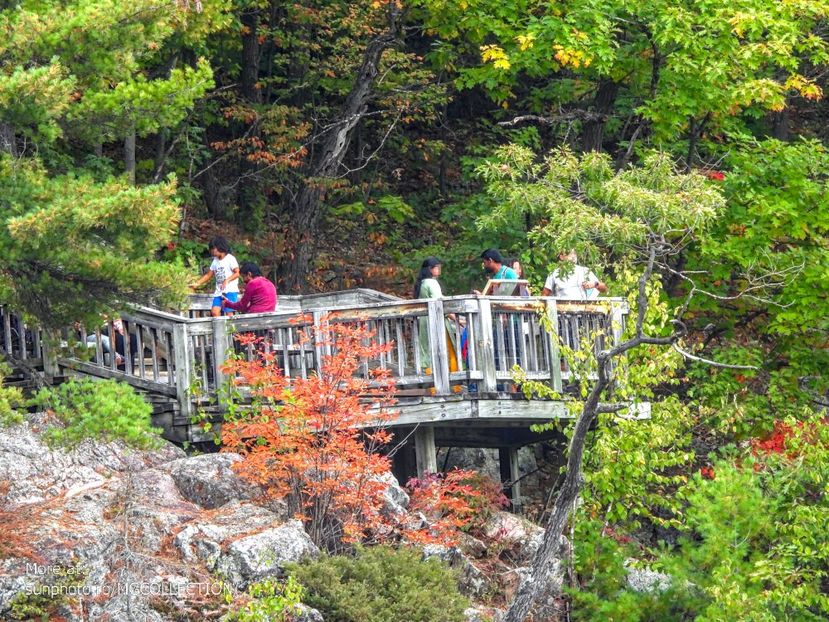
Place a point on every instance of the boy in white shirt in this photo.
(225, 269)
(579, 284)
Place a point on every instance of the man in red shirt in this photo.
(260, 293)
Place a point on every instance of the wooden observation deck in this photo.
(176, 361)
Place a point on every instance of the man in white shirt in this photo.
(579, 283)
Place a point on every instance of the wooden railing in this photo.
(19, 340)
(182, 357)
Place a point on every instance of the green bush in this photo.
(10, 399)
(602, 594)
(271, 601)
(106, 411)
(381, 584)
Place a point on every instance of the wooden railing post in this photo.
(551, 312)
(319, 339)
(183, 368)
(617, 321)
(219, 351)
(486, 348)
(438, 348)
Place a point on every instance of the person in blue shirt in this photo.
(493, 265)
(506, 354)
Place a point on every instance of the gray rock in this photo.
(36, 472)
(473, 546)
(120, 515)
(646, 580)
(471, 580)
(202, 539)
(305, 613)
(395, 499)
(265, 554)
(518, 537)
(482, 614)
(210, 481)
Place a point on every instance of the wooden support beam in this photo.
(50, 344)
(425, 450)
(510, 474)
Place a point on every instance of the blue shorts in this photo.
(231, 296)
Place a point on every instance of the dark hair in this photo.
(509, 261)
(249, 266)
(425, 273)
(492, 254)
(220, 244)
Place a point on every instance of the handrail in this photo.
(458, 343)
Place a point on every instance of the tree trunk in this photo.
(329, 153)
(532, 587)
(8, 141)
(160, 153)
(593, 128)
(780, 124)
(129, 154)
(250, 57)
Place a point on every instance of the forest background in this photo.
(340, 143)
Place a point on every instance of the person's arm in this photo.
(242, 305)
(548, 286)
(593, 282)
(204, 279)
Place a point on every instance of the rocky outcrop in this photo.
(147, 534)
(264, 554)
(201, 539)
(33, 473)
(396, 500)
(210, 481)
(518, 539)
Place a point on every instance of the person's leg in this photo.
(216, 307)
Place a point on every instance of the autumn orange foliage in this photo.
(457, 501)
(315, 442)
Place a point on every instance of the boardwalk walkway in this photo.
(176, 360)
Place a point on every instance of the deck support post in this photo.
(438, 347)
(425, 450)
(486, 346)
(510, 474)
(49, 345)
(219, 325)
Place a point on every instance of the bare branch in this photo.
(692, 357)
(575, 115)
